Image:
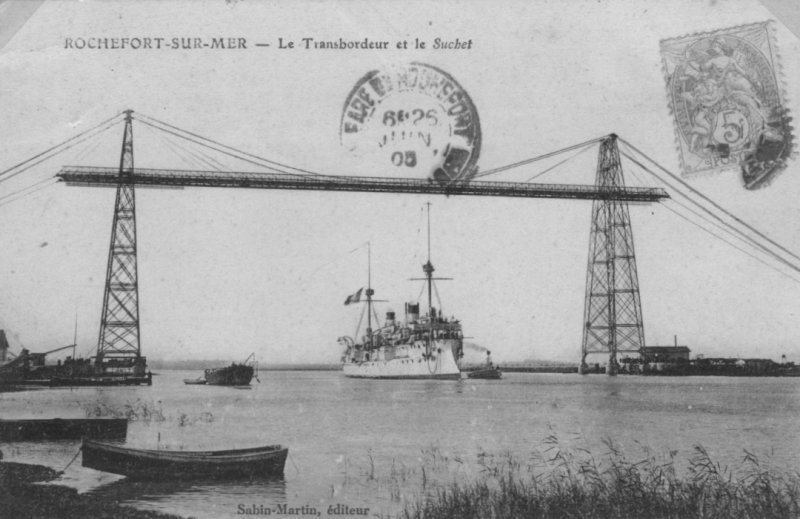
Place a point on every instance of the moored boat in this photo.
(62, 429)
(233, 375)
(33, 369)
(160, 464)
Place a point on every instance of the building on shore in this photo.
(665, 354)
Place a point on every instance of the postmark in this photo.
(727, 104)
(416, 120)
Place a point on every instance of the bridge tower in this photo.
(119, 323)
(612, 309)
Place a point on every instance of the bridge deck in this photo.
(83, 175)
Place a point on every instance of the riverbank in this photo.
(21, 496)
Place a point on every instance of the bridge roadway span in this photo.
(99, 176)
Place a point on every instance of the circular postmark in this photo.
(727, 99)
(415, 119)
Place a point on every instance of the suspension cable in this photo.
(538, 158)
(303, 171)
(47, 151)
(704, 197)
(541, 173)
(705, 218)
(188, 155)
(712, 233)
(274, 169)
(38, 186)
(177, 150)
(745, 236)
(9, 175)
(197, 156)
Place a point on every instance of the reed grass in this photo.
(137, 410)
(143, 411)
(572, 483)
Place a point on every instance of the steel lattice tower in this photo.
(612, 311)
(119, 324)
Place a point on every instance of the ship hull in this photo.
(407, 362)
(234, 375)
(30, 370)
(365, 374)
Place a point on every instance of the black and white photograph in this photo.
(399, 260)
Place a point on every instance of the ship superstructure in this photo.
(420, 346)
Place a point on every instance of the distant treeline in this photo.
(200, 365)
(529, 366)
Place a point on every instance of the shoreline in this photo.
(21, 496)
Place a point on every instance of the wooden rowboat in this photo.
(158, 464)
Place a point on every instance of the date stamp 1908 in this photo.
(415, 119)
(726, 101)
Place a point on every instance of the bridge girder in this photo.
(100, 176)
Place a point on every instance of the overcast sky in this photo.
(224, 273)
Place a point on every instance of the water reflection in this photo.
(194, 496)
(377, 444)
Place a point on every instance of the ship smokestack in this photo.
(412, 310)
(389, 318)
(3, 347)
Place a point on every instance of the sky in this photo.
(227, 272)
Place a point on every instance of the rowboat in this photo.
(160, 464)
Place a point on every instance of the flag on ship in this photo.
(354, 298)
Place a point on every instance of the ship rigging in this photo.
(427, 346)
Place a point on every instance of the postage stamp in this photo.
(727, 104)
(414, 118)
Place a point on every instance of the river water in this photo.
(381, 444)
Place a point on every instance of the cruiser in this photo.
(422, 347)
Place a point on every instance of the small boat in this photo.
(62, 429)
(194, 381)
(233, 375)
(160, 464)
(486, 373)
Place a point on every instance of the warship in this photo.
(427, 346)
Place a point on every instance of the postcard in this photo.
(397, 259)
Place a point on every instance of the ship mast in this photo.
(428, 269)
(370, 292)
